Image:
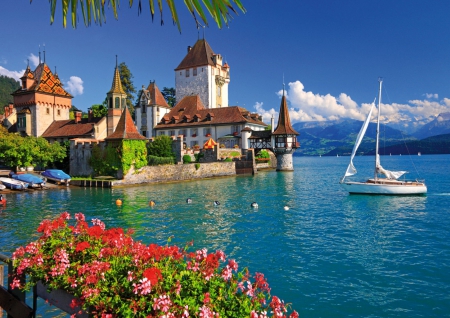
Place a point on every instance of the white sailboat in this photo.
(387, 185)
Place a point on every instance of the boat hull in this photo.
(57, 176)
(388, 187)
(13, 184)
(31, 180)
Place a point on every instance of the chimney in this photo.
(90, 115)
(77, 117)
(189, 48)
(9, 109)
(272, 123)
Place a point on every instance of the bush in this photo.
(197, 166)
(161, 146)
(228, 159)
(198, 156)
(116, 276)
(187, 159)
(156, 161)
(263, 154)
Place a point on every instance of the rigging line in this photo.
(409, 154)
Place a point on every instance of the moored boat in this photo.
(32, 180)
(387, 185)
(57, 176)
(13, 184)
(2, 187)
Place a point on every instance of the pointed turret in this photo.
(116, 98)
(285, 138)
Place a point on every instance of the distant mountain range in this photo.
(331, 138)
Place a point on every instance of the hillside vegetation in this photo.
(7, 86)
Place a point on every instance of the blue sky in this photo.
(330, 53)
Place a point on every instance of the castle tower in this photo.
(285, 139)
(203, 73)
(116, 102)
(150, 110)
(40, 101)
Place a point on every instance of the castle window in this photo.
(110, 102)
(143, 109)
(194, 71)
(182, 132)
(47, 111)
(161, 133)
(58, 112)
(207, 132)
(117, 102)
(21, 122)
(171, 133)
(187, 73)
(144, 133)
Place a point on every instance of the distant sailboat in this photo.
(337, 155)
(387, 185)
(419, 154)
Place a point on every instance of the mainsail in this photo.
(351, 170)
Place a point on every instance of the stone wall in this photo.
(80, 153)
(171, 173)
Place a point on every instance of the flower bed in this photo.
(114, 276)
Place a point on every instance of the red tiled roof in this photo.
(156, 96)
(70, 129)
(199, 55)
(192, 106)
(44, 82)
(125, 128)
(284, 123)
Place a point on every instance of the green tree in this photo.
(17, 151)
(161, 146)
(7, 86)
(99, 110)
(169, 95)
(95, 10)
(126, 78)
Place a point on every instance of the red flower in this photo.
(82, 246)
(95, 231)
(153, 275)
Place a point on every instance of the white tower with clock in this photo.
(203, 73)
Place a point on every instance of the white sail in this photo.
(391, 175)
(351, 170)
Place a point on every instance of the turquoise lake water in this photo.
(330, 255)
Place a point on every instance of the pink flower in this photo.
(99, 223)
(79, 217)
(144, 288)
(15, 283)
(162, 303)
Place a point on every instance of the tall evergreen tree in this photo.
(169, 95)
(127, 84)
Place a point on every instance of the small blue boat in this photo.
(13, 184)
(57, 176)
(32, 180)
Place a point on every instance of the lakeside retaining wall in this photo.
(173, 173)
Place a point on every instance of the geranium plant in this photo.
(114, 276)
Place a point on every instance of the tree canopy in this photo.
(7, 86)
(17, 151)
(126, 78)
(219, 10)
(99, 110)
(161, 146)
(169, 95)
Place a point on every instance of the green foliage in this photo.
(105, 161)
(161, 146)
(187, 159)
(96, 10)
(7, 86)
(263, 154)
(109, 160)
(268, 127)
(197, 166)
(99, 110)
(17, 151)
(228, 159)
(169, 95)
(198, 156)
(156, 161)
(126, 78)
(134, 152)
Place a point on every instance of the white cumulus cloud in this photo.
(75, 85)
(13, 74)
(309, 106)
(33, 59)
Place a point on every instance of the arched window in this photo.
(117, 102)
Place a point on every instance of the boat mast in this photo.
(378, 127)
